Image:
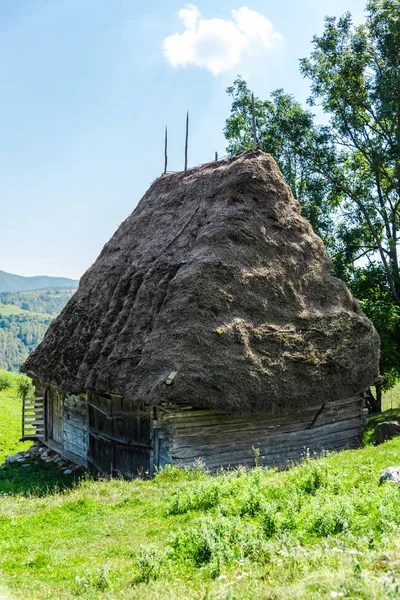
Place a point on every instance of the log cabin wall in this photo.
(119, 437)
(183, 434)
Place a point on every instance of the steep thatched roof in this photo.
(217, 276)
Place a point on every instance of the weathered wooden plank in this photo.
(30, 429)
(245, 421)
(119, 414)
(81, 428)
(291, 440)
(123, 442)
(203, 434)
(351, 440)
(220, 431)
(275, 461)
(33, 422)
(75, 437)
(176, 412)
(71, 413)
(203, 437)
(75, 449)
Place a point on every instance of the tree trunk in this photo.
(378, 389)
(374, 405)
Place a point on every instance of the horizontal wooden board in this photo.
(283, 460)
(271, 445)
(190, 425)
(223, 434)
(279, 457)
(176, 413)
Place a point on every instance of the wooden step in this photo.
(33, 426)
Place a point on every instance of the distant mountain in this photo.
(17, 283)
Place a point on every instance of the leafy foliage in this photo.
(286, 130)
(25, 387)
(19, 335)
(21, 332)
(355, 76)
(5, 382)
(370, 285)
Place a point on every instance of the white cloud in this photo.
(189, 16)
(219, 44)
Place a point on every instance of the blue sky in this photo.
(87, 87)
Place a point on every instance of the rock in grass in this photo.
(67, 472)
(386, 431)
(391, 474)
(14, 458)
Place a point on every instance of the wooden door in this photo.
(119, 436)
(54, 428)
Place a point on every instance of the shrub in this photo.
(25, 387)
(147, 565)
(209, 541)
(332, 520)
(315, 476)
(269, 520)
(5, 383)
(204, 497)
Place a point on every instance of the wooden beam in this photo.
(253, 113)
(186, 139)
(166, 150)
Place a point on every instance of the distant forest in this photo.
(24, 319)
(49, 302)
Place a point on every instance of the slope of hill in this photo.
(44, 302)
(321, 530)
(17, 283)
(24, 318)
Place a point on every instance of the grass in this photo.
(324, 529)
(9, 309)
(10, 411)
(391, 399)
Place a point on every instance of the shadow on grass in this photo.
(373, 420)
(34, 478)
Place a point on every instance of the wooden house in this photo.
(208, 328)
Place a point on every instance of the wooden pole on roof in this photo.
(253, 114)
(216, 156)
(186, 139)
(165, 150)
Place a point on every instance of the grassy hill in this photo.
(17, 283)
(324, 529)
(24, 319)
(8, 309)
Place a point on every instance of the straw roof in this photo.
(215, 275)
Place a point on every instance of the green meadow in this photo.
(322, 529)
(9, 309)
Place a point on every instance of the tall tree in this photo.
(286, 130)
(355, 76)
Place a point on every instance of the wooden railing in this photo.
(32, 419)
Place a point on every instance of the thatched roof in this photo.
(217, 276)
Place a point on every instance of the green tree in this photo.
(355, 77)
(287, 131)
